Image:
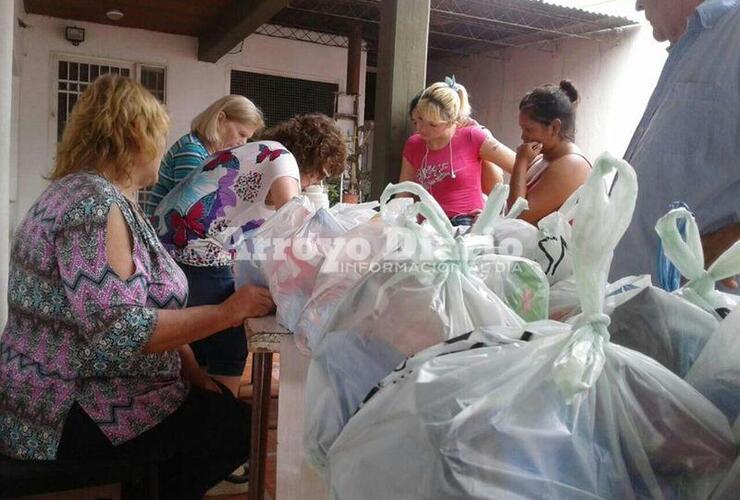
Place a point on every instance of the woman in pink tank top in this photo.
(445, 157)
(549, 167)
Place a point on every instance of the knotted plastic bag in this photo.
(688, 256)
(410, 301)
(673, 328)
(567, 415)
(351, 257)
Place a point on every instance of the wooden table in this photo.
(295, 479)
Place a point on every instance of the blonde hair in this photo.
(235, 108)
(114, 122)
(444, 102)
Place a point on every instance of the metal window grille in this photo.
(75, 76)
(154, 79)
(280, 98)
(73, 79)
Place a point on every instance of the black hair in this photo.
(415, 102)
(548, 103)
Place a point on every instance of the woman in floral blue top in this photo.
(94, 359)
(228, 122)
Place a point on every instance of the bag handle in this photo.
(520, 206)
(600, 220)
(492, 211)
(433, 213)
(568, 208)
(688, 254)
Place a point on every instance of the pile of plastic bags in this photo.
(290, 247)
(424, 292)
(497, 361)
(566, 414)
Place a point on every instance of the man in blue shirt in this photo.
(687, 145)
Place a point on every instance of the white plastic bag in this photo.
(565, 416)
(518, 281)
(674, 328)
(565, 305)
(688, 256)
(716, 373)
(547, 243)
(663, 326)
(286, 252)
(407, 304)
(250, 254)
(730, 485)
(350, 258)
(291, 247)
(351, 215)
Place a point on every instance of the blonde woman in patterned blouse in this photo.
(94, 359)
(228, 122)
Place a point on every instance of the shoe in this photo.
(240, 474)
(236, 483)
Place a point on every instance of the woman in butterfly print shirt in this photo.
(231, 194)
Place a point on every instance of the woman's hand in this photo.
(528, 151)
(193, 373)
(248, 301)
(176, 328)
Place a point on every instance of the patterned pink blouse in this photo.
(76, 331)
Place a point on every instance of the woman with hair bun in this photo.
(549, 167)
(445, 156)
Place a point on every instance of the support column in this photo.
(7, 20)
(402, 66)
(354, 60)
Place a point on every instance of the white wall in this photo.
(615, 74)
(191, 85)
(15, 106)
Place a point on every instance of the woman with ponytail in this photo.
(549, 167)
(445, 156)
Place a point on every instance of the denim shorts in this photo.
(463, 220)
(223, 353)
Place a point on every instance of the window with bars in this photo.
(74, 76)
(279, 97)
(73, 79)
(154, 79)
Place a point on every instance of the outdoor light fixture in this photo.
(114, 14)
(74, 35)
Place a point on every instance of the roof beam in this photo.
(234, 25)
(374, 21)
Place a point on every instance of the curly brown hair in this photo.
(314, 140)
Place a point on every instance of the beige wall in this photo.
(614, 73)
(191, 84)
